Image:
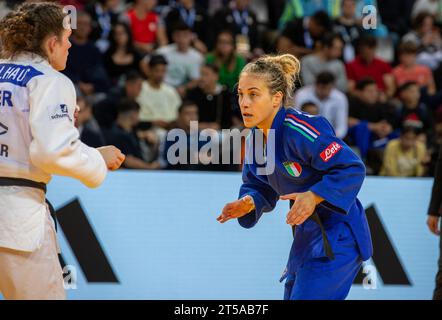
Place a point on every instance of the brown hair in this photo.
(408, 47)
(418, 21)
(229, 61)
(25, 28)
(280, 73)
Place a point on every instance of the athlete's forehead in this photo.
(248, 82)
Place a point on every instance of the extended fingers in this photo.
(298, 213)
(294, 213)
(291, 216)
(301, 218)
(226, 214)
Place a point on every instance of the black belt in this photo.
(18, 182)
(327, 247)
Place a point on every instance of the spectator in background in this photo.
(104, 16)
(349, 26)
(432, 7)
(395, 17)
(428, 39)
(194, 17)
(123, 135)
(325, 58)
(242, 22)
(429, 6)
(332, 103)
(371, 124)
(226, 58)
(187, 112)
(413, 112)
(424, 32)
(121, 55)
(147, 30)
(105, 111)
(275, 9)
(366, 107)
(90, 132)
(404, 156)
(182, 150)
(299, 36)
(88, 74)
(367, 65)
(170, 3)
(298, 9)
(184, 62)
(149, 142)
(310, 108)
(212, 99)
(159, 101)
(409, 70)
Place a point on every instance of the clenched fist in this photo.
(112, 156)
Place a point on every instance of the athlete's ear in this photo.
(277, 99)
(49, 45)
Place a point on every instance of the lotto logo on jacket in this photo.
(330, 151)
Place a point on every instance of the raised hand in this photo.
(304, 206)
(236, 209)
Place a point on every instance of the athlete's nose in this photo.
(244, 102)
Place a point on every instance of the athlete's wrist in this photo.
(317, 199)
(250, 203)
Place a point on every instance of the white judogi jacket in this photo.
(37, 138)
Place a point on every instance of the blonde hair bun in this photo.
(280, 72)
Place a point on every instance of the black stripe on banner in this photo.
(385, 256)
(84, 243)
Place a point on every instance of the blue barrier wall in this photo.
(160, 236)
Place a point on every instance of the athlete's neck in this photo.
(266, 125)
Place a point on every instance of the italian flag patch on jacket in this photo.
(293, 168)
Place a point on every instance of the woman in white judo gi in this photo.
(38, 138)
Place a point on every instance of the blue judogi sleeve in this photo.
(256, 186)
(343, 171)
(263, 195)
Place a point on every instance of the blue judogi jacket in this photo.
(308, 156)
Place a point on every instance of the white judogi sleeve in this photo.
(56, 147)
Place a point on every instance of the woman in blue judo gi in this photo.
(314, 169)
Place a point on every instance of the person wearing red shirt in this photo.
(367, 65)
(147, 29)
(409, 70)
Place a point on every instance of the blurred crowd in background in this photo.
(145, 67)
